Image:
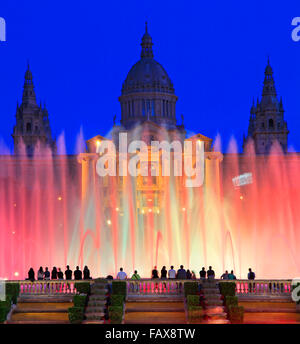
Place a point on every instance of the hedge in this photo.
(76, 315)
(192, 300)
(5, 307)
(115, 314)
(190, 288)
(13, 290)
(236, 314)
(79, 300)
(119, 288)
(83, 287)
(227, 288)
(195, 313)
(231, 301)
(117, 300)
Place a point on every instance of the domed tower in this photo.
(148, 92)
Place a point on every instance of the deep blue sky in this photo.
(215, 53)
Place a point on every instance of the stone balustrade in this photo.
(158, 286)
(49, 287)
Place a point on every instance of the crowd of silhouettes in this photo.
(181, 273)
(44, 275)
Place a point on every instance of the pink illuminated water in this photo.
(46, 219)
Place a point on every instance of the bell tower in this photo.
(32, 132)
(267, 124)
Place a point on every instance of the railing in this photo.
(51, 287)
(158, 287)
(175, 287)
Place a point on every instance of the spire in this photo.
(146, 44)
(269, 84)
(29, 97)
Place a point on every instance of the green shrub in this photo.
(195, 313)
(115, 314)
(236, 314)
(231, 301)
(12, 289)
(83, 287)
(119, 288)
(227, 288)
(3, 314)
(76, 315)
(79, 300)
(117, 300)
(192, 300)
(190, 288)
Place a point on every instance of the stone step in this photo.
(45, 298)
(96, 298)
(212, 297)
(98, 291)
(50, 306)
(155, 318)
(38, 322)
(40, 316)
(98, 286)
(90, 309)
(215, 321)
(95, 316)
(97, 303)
(213, 302)
(211, 291)
(40, 310)
(93, 322)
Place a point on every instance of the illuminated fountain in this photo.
(61, 212)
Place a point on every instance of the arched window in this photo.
(271, 123)
(28, 127)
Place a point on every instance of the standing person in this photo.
(40, 274)
(202, 274)
(86, 273)
(251, 275)
(231, 276)
(188, 274)
(121, 275)
(210, 273)
(163, 273)
(46, 274)
(154, 273)
(77, 274)
(60, 274)
(225, 275)
(181, 273)
(193, 275)
(135, 276)
(172, 273)
(31, 275)
(68, 273)
(54, 273)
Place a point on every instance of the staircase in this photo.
(95, 310)
(214, 312)
(155, 309)
(41, 309)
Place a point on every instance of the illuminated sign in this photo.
(242, 179)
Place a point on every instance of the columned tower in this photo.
(267, 124)
(32, 130)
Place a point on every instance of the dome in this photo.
(147, 75)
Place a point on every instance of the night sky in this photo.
(215, 53)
